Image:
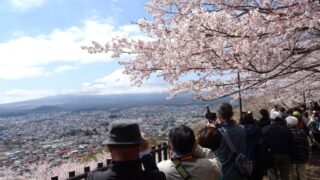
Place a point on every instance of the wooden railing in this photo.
(159, 153)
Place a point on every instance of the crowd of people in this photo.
(276, 145)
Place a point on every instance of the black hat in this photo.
(124, 133)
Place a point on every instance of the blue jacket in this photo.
(238, 136)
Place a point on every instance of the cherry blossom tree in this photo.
(273, 44)
(293, 91)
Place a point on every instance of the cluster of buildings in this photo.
(59, 136)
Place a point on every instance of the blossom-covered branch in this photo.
(213, 40)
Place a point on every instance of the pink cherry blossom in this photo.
(273, 44)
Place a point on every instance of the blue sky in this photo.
(40, 52)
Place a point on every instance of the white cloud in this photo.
(64, 68)
(114, 83)
(25, 94)
(24, 5)
(28, 56)
(16, 72)
(119, 83)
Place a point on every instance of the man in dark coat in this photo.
(125, 143)
(278, 138)
(299, 150)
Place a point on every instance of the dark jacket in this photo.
(263, 122)
(254, 136)
(278, 138)
(238, 136)
(299, 146)
(125, 170)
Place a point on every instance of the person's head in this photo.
(303, 107)
(275, 116)
(290, 111)
(296, 114)
(292, 121)
(225, 113)
(182, 139)
(296, 108)
(209, 137)
(282, 109)
(316, 105)
(124, 140)
(247, 119)
(124, 152)
(264, 113)
(276, 107)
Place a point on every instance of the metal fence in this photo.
(159, 153)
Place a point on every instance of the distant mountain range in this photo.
(94, 102)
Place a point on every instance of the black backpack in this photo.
(265, 154)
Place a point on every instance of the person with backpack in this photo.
(299, 150)
(233, 145)
(189, 160)
(278, 138)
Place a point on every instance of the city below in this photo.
(58, 135)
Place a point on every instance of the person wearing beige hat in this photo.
(299, 150)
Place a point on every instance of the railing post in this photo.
(54, 178)
(153, 153)
(108, 161)
(100, 165)
(159, 153)
(165, 151)
(72, 174)
(86, 169)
